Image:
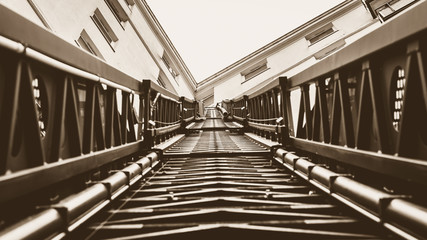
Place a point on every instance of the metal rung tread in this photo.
(194, 198)
(215, 143)
(215, 124)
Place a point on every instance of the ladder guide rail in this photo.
(68, 118)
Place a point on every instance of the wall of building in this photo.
(142, 44)
(137, 52)
(292, 54)
(24, 8)
(151, 40)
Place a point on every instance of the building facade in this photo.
(291, 53)
(127, 35)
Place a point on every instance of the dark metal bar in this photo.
(367, 115)
(60, 112)
(74, 125)
(316, 116)
(36, 178)
(323, 110)
(415, 96)
(109, 117)
(146, 88)
(411, 170)
(141, 116)
(307, 110)
(9, 118)
(124, 117)
(131, 121)
(88, 121)
(286, 110)
(99, 130)
(345, 110)
(32, 134)
(117, 122)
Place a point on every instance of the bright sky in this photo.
(212, 34)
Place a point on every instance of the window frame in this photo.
(376, 6)
(39, 13)
(85, 42)
(161, 82)
(166, 60)
(105, 29)
(255, 70)
(130, 2)
(321, 33)
(118, 12)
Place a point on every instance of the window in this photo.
(87, 44)
(104, 28)
(39, 13)
(40, 98)
(117, 10)
(385, 9)
(255, 70)
(130, 2)
(166, 60)
(161, 82)
(320, 34)
(329, 49)
(397, 92)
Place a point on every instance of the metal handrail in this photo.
(19, 48)
(91, 140)
(71, 212)
(47, 47)
(394, 212)
(397, 42)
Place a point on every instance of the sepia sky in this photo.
(212, 34)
